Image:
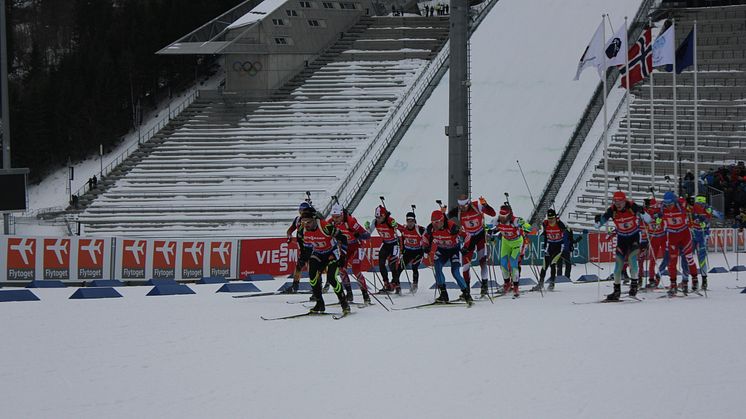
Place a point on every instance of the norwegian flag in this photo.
(640, 60)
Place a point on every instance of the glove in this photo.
(482, 201)
(367, 225)
(658, 221)
(290, 238)
(597, 219)
(597, 225)
(393, 223)
(646, 217)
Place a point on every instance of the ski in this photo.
(341, 316)
(433, 304)
(621, 300)
(264, 294)
(354, 303)
(295, 316)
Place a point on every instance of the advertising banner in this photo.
(144, 259)
(58, 258)
(278, 257)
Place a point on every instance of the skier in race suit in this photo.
(354, 233)
(657, 238)
(645, 257)
(470, 216)
(625, 214)
(701, 214)
(675, 218)
(553, 231)
(388, 254)
(444, 235)
(304, 249)
(411, 236)
(328, 252)
(511, 229)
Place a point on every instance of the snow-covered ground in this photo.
(210, 355)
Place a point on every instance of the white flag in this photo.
(616, 48)
(592, 54)
(664, 48)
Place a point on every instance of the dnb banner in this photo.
(58, 258)
(174, 259)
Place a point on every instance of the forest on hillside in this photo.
(80, 71)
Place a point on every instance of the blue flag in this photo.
(684, 54)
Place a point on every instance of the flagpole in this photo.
(606, 142)
(696, 130)
(675, 121)
(652, 121)
(629, 117)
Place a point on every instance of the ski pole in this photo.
(526, 182)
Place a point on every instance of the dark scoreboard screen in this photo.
(12, 191)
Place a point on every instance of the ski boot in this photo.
(484, 290)
(507, 286)
(550, 287)
(292, 289)
(695, 285)
(466, 296)
(348, 291)
(320, 307)
(397, 288)
(343, 301)
(413, 289)
(516, 291)
(614, 296)
(704, 282)
(326, 288)
(633, 288)
(657, 282)
(443, 297)
(366, 297)
(386, 287)
(685, 287)
(673, 289)
(539, 286)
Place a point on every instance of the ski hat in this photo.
(505, 210)
(619, 196)
(669, 198)
(410, 216)
(700, 199)
(304, 206)
(337, 209)
(437, 215)
(309, 212)
(464, 201)
(381, 211)
(551, 213)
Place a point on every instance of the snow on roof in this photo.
(256, 14)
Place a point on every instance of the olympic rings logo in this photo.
(247, 67)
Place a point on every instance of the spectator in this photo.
(741, 219)
(447, 8)
(689, 183)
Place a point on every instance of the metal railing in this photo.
(141, 138)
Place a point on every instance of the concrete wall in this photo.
(276, 48)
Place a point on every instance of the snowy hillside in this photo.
(524, 106)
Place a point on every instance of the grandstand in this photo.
(235, 164)
(721, 114)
